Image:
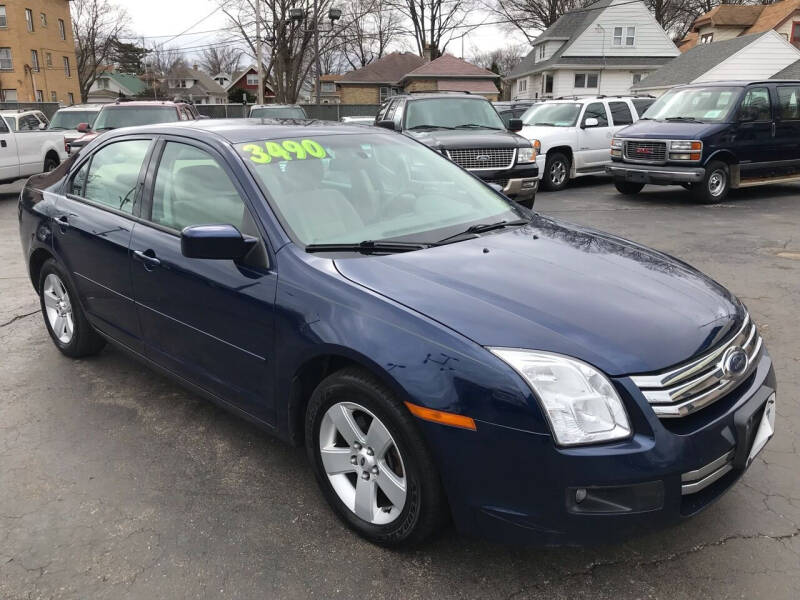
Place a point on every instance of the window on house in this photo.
(9, 95)
(586, 80)
(795, 38)
(61, 29)
(29, 19)
(522, 85)
(252, 79)
(547, 81)
(5, 59)
(625, 36)
(388, 92)
(3, 22)
(43, 19)
(327, 86)
(67, 71)
(71, 98)
(637, 77)
(706, 38)
(34, 60)
(53, 96)
(541, 51)
(48, 59)
(39, 96)
(102, 83)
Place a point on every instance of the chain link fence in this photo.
(325, 112)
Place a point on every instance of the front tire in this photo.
(370, 461)
(63, 315)
(50, 164)
(715, 185)
(556, 172)
(628, 188)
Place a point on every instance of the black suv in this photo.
(468, 130)
(712, 137)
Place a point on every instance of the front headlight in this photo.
(616, 144)
(528, 155)
(580, 403)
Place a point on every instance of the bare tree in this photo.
(373, 25)
(97, 25)
(221, 59)
(531, 17)
(500, 60)
(158, 64)
(434, 22)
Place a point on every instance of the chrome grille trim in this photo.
(686, 389)
(658, 148)
(699, 479)
(499, 158)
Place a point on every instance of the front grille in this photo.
(483, 158)
(651, 152)
(684, 390)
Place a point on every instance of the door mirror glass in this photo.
(218, 242)
(514, 124)
(591, 122)
(83, 127)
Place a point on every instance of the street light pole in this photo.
(259, 62)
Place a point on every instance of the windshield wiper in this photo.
(428, 127)
(368, 247)
(482, 228)
(544, 125)
(475, 126)
(51, 128)
(689, 119)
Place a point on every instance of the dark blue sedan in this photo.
(441, 351)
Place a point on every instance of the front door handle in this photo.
(63, 222)
(148, 257)
(3, 143)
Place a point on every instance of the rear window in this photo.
(70, 119)
(278, 112)
(131, 116)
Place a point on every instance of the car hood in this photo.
(544, 133)
(440, 139)
(672, 130)
(560, 288)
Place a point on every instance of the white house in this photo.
(603, 48)
(195, 85)
(738, 58)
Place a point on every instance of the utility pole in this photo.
(259, 61)
(318, 62)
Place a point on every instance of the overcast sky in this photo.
(170, 17)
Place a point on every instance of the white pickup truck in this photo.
(26, 147)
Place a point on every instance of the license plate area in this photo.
(755, 425)
(636, 176)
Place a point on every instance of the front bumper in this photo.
(653, 174)
(519, 182)
(516, 486)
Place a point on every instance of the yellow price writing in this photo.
(265, 152)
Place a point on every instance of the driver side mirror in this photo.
(83, 127)
(386, 125)
(218, 242)
(42, 126)
(514, 124)
(590, 122)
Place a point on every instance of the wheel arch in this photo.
(39, 256)
(563, 149)
(51, 153)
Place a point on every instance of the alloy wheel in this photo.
(558, 172)
(363, 463)
(717, 182)
(58, 307)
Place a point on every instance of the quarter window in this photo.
(620, 113)
(598, 111)
(789, 102)
(111, 178)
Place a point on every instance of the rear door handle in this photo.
(148, 257)
(3, 143)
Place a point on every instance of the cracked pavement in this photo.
(116, 483)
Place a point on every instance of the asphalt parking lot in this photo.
(116, 483)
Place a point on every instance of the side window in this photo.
(598, 111)
(789, 103)
(182, 115)
(620, 113)
(78, 185)
(113, 174)
(28, 123)
(756, 105)
(191, 188)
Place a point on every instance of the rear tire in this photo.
(63, 314)
(715, 185)
(556, 172)
(628, 188)
(393, 499)
(50, 164)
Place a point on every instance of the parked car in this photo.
(467, 129)
(575, 133)
(512, 109)
(711, 138)
(132, 113)
(25, 147)
(67, 119)
(359, 120)
(277, 111)
(349, 289)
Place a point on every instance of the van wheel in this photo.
(715, 185)
(371, 462)
(629, 188)
(556, 172)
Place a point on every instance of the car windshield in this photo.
(707, 104)
(278, 112)
(130, 116)
(552, 114)
(350, 188)
(70, 119)
(452, 113)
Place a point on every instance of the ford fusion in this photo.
(442, 352)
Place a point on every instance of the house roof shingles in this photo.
(730, 15)
(448, 65)
(128, 81)
(390, 69)
(693, 63)
(790, 72)
(773, 15)
(203, 80)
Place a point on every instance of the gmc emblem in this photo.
(644, 150)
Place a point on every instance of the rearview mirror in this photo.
(83, 127)
(514, 124)
(219, 242)
(591, 122)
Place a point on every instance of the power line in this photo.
(212, 13)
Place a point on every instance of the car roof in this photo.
(237, 131)
(429, 95)
(738, 83)
(142, 103)
(83, 107)
(18, 112)
(275, 106)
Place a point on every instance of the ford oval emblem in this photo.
(734, 362)
(483, 158)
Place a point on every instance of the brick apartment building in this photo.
(37, 52)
